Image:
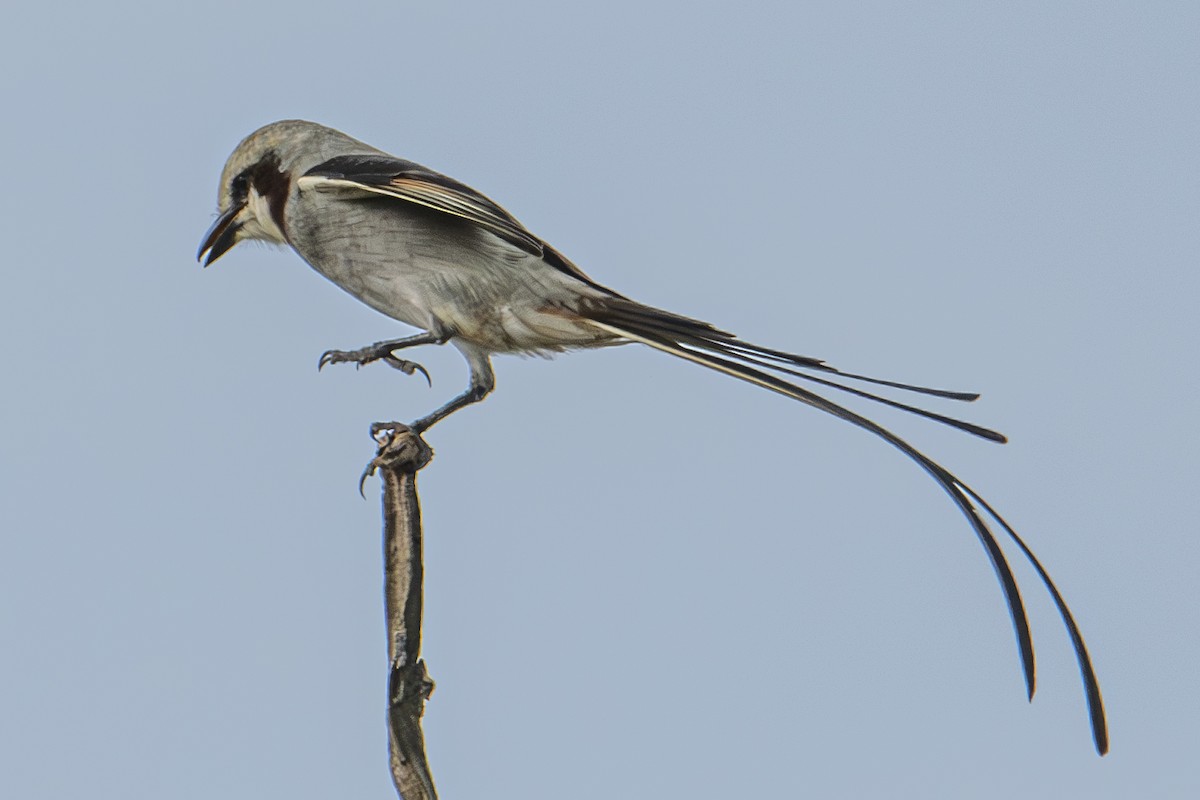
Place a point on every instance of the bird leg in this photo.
(483, 380)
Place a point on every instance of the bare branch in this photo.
(401, 454)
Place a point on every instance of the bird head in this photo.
(259, 177)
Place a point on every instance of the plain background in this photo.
(643, 580)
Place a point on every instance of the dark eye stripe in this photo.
(270, 181)
(239, 188)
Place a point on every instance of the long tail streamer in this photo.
(718, 350)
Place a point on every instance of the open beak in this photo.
(221, 236)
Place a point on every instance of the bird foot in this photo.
(371, 354)
(398, 444)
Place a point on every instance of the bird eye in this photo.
(239, 187)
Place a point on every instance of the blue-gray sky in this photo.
(643, 580)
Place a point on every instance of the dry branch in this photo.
(400, 455)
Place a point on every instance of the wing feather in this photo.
(405, 180)
(412, 183)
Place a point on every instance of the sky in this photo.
(643, 579)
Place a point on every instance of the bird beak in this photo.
(221, 236)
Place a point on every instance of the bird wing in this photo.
(413, 183)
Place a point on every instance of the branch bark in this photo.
(400, 456)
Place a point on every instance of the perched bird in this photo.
(433, 253)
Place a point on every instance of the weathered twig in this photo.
(401, 454)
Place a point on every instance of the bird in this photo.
(439, 256)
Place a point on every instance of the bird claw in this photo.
(338, 357)
(408, 367)
(362, 479)
(367, 355)
(375, 463)
(399, 446)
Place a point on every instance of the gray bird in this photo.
(433, 253)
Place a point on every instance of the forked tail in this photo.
(718, 350)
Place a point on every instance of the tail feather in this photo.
(685, 330)
(707, 346)
(790, 358)
(962, 425)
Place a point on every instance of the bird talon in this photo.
(374, 464)
(358, 357)
(408, 367)
(367, 355)
(366, 473)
